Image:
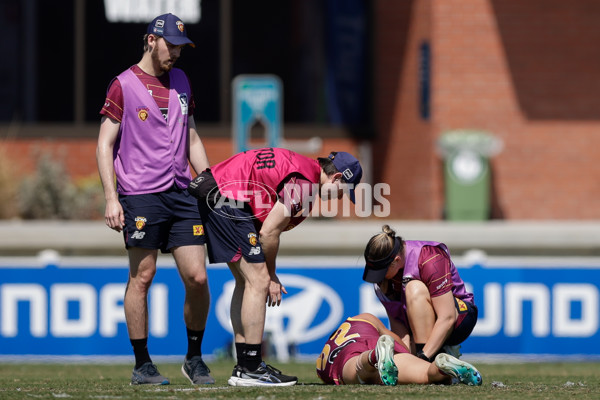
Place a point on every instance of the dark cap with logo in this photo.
(171, 28)
(375, 270)
(350, 168)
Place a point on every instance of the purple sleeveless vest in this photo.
(412, 250)
(151, 154)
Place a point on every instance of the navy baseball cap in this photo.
(375, 270)
(350, 168)
(171, 28)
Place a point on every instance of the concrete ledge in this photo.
(494, 237)
(66, 237)
(334, 237)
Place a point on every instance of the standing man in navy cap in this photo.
(246, 202)
(148, 139)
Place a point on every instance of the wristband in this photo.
(422, 356)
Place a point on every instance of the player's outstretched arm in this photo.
(113, 214)
(197, 152)
(446, 317)
(271, 229)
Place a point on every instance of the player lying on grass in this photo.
(363, 351)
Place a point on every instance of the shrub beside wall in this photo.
(48, 193)
(9, 183)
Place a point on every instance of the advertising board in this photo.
(75, 307)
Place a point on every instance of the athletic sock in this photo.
(194, 339)
(140, 351)
(252, 356)
(372, 358)
(239, 351)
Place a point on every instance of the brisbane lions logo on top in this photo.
(142, 113)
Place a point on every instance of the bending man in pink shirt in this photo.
(246, 202)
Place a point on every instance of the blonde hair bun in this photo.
(388, 231)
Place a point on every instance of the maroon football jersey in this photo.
(353, 337)
(156, 86)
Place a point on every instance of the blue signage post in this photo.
(256, 98)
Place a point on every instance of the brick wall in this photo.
(79, 155)
(402, 151)
(527, 71)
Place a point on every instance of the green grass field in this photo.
(104, 381)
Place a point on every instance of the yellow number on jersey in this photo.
(339, 337)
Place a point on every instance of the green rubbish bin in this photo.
(467, 176)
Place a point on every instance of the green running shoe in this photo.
(462, 370)
(384, 351)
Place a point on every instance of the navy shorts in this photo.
(162, 220)
(230, 229)
(467, 318)
(230, 234)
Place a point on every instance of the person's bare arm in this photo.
(197, 153)
(444, 324)
(113, 213)
(401, 332)
(271, 229)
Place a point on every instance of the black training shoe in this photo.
(196, 371)
(147, 374)
(265, 375)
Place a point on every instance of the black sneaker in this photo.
(147, 374)
(196, 371)
(265, 375)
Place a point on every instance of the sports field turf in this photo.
(108, 381)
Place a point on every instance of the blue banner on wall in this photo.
(76, 308)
